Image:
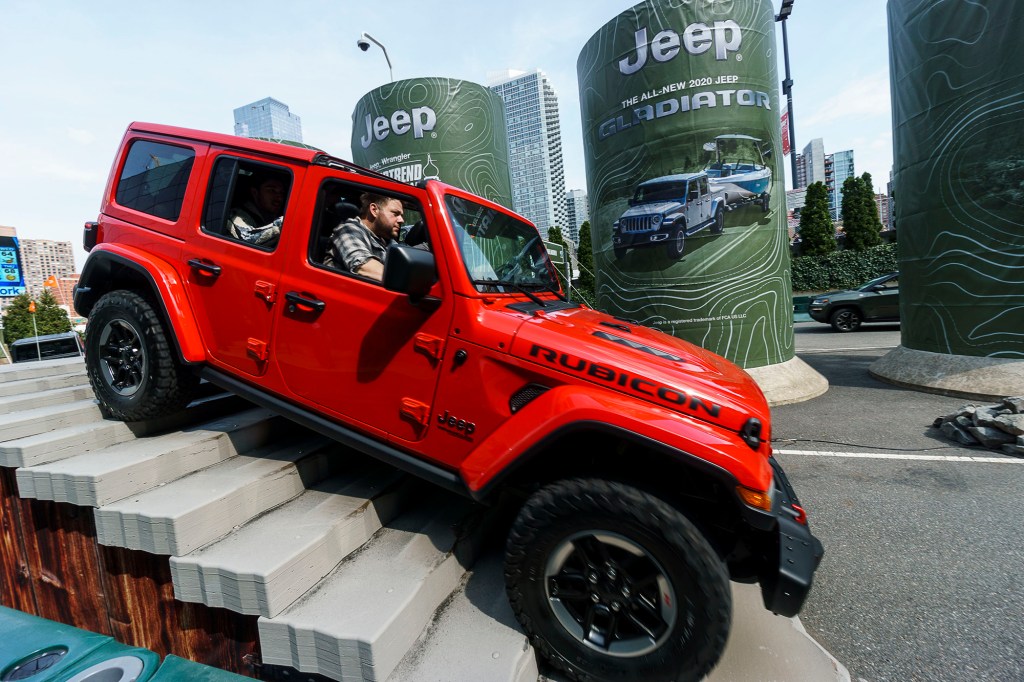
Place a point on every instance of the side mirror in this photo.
(409, 271)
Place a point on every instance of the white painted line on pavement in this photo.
(892, 455)
(833, 350)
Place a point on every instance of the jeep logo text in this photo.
(421, 119)
(725, 36)
(452, 422)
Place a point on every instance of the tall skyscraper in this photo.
(842, 168)
(814, 165)
(268, 118)
(577, 212)
(813, 162)
(534, 147)
(44, 258)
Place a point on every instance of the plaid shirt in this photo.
(352, 245)
(244, 224)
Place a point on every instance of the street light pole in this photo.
(364, 44)
(787, 84)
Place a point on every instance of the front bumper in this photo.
(792, 553)
(819, 313)
(647, 238)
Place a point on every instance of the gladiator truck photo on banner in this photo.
(442, 128)
(680, 109)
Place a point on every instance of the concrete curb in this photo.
(793, 381)
(960, 376)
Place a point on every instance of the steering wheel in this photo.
(514, 266)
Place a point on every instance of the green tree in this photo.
(49, 318)
(817, 235)
(860, 214)
(585, 259)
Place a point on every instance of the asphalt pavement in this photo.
(920, 579)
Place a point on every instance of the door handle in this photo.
(296, 299)
(208, 268)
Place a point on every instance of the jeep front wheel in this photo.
(677, 243)
(845, 320)
(129, 359)
(612, 583)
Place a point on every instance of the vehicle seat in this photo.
(332, 217)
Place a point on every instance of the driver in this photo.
(359, 244)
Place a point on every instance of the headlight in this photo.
(656, 220)
(819, 301)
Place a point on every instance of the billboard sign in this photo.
(12, 278)
(680, 112)
(425, 128)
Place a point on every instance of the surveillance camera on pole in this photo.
(363, 43)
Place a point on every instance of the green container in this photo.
(442, 128)
(671, 90)
(957, 78)
(51, 649)
(112, 662)
(175, 669)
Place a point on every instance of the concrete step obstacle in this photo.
(359, 621)
(266, 565)
(131, 465)
(44, 383)
(194, 510)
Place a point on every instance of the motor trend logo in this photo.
(645, 387)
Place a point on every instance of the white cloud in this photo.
(81, 136)
(866, 97)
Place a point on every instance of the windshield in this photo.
(498, 248)
(888, 280)
(660, 191)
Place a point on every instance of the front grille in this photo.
(638, 224)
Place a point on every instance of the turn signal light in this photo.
(755, 498)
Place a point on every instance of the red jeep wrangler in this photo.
(643, 461)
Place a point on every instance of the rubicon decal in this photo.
(645, 387)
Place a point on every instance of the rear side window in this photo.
(154, 178)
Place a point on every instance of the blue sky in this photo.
(74, 74)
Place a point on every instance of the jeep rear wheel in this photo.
(130, 362)
(677, 242)
(845, 320)
(612, 583)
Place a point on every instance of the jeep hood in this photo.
(651, 208)
(644, 363)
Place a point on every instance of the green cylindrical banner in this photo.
(435, 128)
(682, 139)
(957, 78)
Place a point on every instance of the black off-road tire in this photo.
(131, 364)
(845, 319)
(718, 226)
(573, 551)
(620, 252)
(677, 243)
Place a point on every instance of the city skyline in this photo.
(51, 143)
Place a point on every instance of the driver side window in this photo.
(347, 233)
